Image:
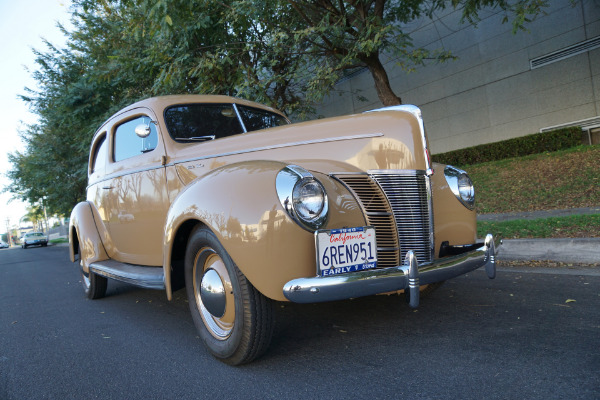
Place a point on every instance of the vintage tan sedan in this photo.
(228, 199)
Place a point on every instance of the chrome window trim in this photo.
(237, 112)
(278, 146)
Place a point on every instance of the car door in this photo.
(135, 191)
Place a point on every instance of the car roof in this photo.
(159, 103)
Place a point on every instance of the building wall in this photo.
(490, 93)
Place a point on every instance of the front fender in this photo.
(82, 224)
(239, 203)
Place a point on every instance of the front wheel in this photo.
(234, 320)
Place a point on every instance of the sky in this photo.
(24, 24)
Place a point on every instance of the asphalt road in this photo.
(519, 336)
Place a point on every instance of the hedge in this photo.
(558, 139)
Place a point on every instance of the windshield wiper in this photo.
(196, 138)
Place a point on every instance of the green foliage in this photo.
(531, 144)
(558, 180)
(285, 53)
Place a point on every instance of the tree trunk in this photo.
(382, 82)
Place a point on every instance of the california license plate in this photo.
(340, 251)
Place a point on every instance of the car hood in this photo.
(382, 140)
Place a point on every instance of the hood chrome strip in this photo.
(280, 146)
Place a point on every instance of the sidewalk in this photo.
(568, 250)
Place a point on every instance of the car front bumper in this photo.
(408, 276)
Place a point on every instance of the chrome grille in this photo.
(397, 205)
(378, 214)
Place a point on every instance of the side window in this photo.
(256, 119)
(128, 144)
(199, 122)
(100, 154)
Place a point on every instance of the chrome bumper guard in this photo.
(404, 277)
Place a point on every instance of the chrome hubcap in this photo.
(213, 293)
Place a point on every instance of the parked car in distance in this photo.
(4, 245)
(34, 239)
(227, 199)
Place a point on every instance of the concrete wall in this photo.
(490, 93)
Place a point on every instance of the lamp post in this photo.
(8, 238)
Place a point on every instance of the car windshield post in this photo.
(237, 112)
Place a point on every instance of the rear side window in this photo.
(128, 144)
(200, 122)
(100, 154)
(256, 119)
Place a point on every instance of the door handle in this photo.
(108, 187)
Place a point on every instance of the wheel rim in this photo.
(216, 306)
(85, 278)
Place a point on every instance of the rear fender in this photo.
(84, 238)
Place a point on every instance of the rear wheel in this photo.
(234, 320)
(94, 285)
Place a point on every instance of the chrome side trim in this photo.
(138, 275)
(407, 276)
(120, 174)
(279, 146)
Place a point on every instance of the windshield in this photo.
(36, 234)
(201, 122)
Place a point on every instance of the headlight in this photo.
(302, 196)
(461, 185)
(308, 199)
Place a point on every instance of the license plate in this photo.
(340, 251)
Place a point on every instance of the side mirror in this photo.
(142, 130)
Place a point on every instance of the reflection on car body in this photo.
(225, 198)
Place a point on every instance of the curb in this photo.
(570, 250)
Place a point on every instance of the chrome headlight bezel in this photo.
(292, 184)
(461, 185)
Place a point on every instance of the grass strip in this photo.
(557, 227)
(562, 179)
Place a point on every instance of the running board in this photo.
(146, 277)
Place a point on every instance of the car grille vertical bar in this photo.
(398, 205)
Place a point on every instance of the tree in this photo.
(285, 53)
(345, 35)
